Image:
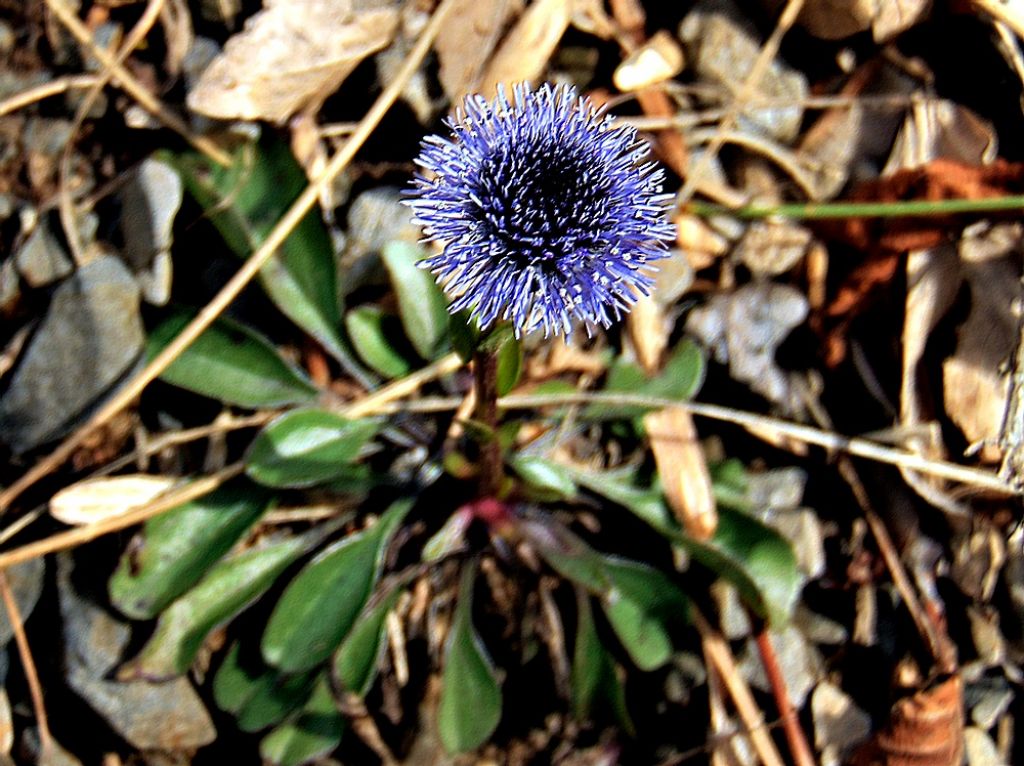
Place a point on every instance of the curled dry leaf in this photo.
(925, 729)
(292, 54)
(524, 53)
(95, 500)
(684, 471)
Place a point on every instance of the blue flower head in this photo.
(546, 209)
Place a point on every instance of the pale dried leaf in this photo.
(657, 60)
(465, 44)
(95, 500)
(684, 474)
(290, 55)
(524, 53)
(836, 19)
(975, 381)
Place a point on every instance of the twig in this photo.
(485, 370)
(716, 650)
(66, 206)
(302, 205)
(89, 532)
(851, 445)
(132, 86)
(938, 644)
(46, 90)
(798, 746)
(35, 689)
(753, 79)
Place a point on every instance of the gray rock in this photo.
(41, 259)
(89, 339)
(838, 723)
(149, 202)
(801, 664)
(164, 716)
(375, 218)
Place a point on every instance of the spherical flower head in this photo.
(547, 210)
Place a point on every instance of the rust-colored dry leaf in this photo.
(836, 19)
(465, 43)
(95, 500)
(926, 729)
(290, 55)
(524, 53)
(684, 471)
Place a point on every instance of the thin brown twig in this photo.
(750, 83)
(132, 86)
(716, 650)
(35, 689)
(798, 746)
(284, 227)
(66, 205)
(46, 90)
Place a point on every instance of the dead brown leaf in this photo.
(524, 53)
(684, 471)
(464, 45)
(292, 54)
(926, 729)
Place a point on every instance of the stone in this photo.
(41, 259)
(90, 338)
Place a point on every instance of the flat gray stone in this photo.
(165, 716)
(89, 339)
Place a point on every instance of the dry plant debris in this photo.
(265, 498)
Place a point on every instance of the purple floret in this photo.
(547, 210)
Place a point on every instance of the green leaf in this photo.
(257, 697)
(175, 549)
(756, 559)
(545, 476)
(464, 333)
(510, 365)
(307, 447)
(374, 335)
(228, 588)
(680, 380)
(245, 201)
(593, 675)
(320, 606)
(356, 661)
(421, 304)
(310, 735)
(751, 555)
(470, 705)
(638, 599)
(232, 363)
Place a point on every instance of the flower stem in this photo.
(485, 369)
(830, 210)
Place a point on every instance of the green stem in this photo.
(485, 369)
(831, 210)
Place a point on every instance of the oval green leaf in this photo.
(374, 335)
(356, 661)
(232, 363)
(320, 606)
(175, 549)
(470, 704)
(421, 304)
(307, 447)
